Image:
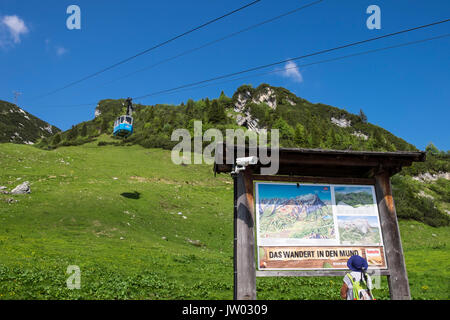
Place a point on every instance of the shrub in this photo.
(411, 206)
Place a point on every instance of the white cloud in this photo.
(291, 71)
(54, 49)
(14, 26)
(61, 50)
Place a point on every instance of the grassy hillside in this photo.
(19, 126)
(114, 211)
(301, 124)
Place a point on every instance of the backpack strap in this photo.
(349, 276)
(354, 286)
(369, 289)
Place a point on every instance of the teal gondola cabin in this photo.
(123, 126)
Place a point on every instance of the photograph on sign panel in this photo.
(355, 200)
(359, 230)
(292, 212)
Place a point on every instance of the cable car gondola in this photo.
(123, 126)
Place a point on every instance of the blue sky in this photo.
(268, 191)
(405, 90)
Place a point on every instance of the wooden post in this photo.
(245, 251)
(398, 278)
(234, 237)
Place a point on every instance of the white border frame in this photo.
(335, 214)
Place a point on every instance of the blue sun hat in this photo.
(357, 263)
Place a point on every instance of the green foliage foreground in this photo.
(114, 212)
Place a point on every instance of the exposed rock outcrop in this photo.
(266, 95)
(97, 111)
(342, 122)
(292, 103)
(22, 188)
(360, 135)
(429, 177)
(424, 195)
(248, 122)
(3, 190)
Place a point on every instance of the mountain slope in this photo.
(115, 213)
(422, 191)
(301, 123)
(304, 124)
(19, 126)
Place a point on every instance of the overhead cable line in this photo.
(295, 67)
(150, 49)
(214, 42)
(293, 59)
(315, 63)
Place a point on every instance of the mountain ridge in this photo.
(19, 126)
(301, 123)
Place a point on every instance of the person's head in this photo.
(357, 263)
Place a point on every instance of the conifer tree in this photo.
(300, 137)
(330, 142)
(72, 134)
(431, 149)
(104, 126)
(216, 113)
(190, 108)
(84, 130)
(56, 139)
(287, 133)
(362, 116)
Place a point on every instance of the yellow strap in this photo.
(351, 278)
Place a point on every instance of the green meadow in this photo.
(140, 227)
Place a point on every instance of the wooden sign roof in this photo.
(325, 163)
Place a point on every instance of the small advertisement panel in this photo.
(316, 226)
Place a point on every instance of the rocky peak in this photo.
(97, 111)
(263, 94)
(260, 95)
(267, 96)
(19, 126)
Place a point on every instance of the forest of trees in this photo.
(301, 124)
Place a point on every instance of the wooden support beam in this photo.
(245, 251)
(327, 161)
(314, 179)
(312, 273)
(331, 163)
(398, 278)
